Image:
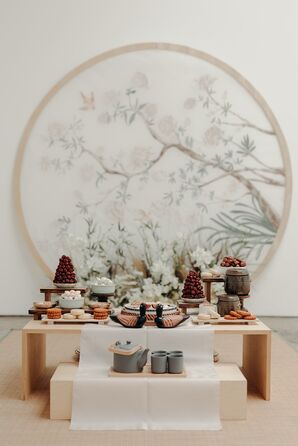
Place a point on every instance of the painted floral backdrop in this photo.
(149, 163)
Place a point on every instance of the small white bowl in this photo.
(103, 289)
(43, 305)
(71, 303)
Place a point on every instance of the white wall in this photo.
(41, 40)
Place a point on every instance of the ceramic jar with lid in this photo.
(227, 303)
(237, 281)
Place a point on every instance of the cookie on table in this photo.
(84, 316)
(53, 313)
(68, 316)
(101, 313)
(77, 312)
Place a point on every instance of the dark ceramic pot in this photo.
(237, 282)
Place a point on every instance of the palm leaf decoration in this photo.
(246, 230)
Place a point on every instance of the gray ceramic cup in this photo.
(175, 361)
(159, 361)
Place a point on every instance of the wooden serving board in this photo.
(223, 321)
(39, 312)
(145, 374)
(75, 321)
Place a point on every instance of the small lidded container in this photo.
(237, 281)
(227, 303)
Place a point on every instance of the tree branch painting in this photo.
(125, 146)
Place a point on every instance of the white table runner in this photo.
(101, 402)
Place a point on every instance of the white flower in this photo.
(213, 136)
(139, 157)
(139, 80)
(87, 172)
(56, 130)
(175, 282)
(150, 110)
(104, 118)
(95, 263)
(111, 97)
(190, 103)
(167, 125)
(160, 269)
(205, 82)
(45, 163)
(166, 289)
(149, 288)
(201, 258)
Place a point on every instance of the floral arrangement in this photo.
(154, 273)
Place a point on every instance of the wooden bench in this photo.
(233, 391)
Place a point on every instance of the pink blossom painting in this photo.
(158, 139)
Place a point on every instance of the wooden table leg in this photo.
(47, 296)
(257, 362)
(33, 361)
(208, 291)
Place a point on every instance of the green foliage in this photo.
(246, 230)
(246, 146)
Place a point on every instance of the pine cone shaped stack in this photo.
(193, 288)
(65, 272)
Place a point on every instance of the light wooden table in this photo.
(256, 352)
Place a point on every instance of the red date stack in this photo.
(230, 261)
(193, 288)
(65, 272)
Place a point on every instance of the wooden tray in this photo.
(222, 321)
(75, 321)
(145, 374)
(39, 312)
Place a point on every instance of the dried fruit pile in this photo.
(65, 272)
(240, 314)
(193, 288)
(232, 261)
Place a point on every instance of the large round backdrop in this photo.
(152, 143)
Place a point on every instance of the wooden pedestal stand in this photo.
(100, 297)
(207, 285)
(207, 289)
(38, 312)
(185, 305)
(49, 291)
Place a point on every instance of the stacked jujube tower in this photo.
(65, 272)
(193, 288)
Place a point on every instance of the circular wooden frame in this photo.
(141, 47)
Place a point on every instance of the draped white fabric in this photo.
(101, 402)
